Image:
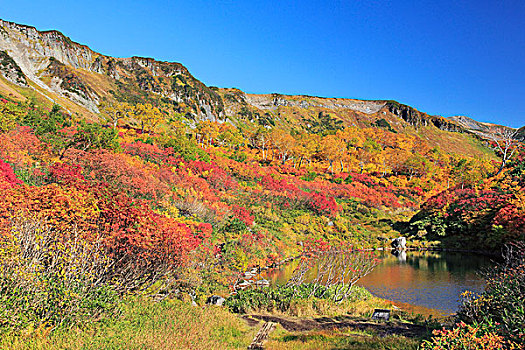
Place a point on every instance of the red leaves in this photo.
(243, 214)
(22, 148)
(127, 227)
(318, 202)
(66, 174)
(465, 201)
(215, 176)
(323, 204)
(145, 151)
(311, 247)
(8, 178)
(513, 219)
(121, 172)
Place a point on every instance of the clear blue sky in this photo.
(447, 57)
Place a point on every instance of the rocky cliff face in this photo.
(49, 61)
(417, 118)
(483, 130)
(272, 101)
(10, 70)
(32, 51)
(57, 64)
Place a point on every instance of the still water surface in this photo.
(423, 282)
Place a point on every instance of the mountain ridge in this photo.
(64, 69)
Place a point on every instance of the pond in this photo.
(429, 283)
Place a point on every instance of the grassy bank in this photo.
(143, 324)
(338, 339)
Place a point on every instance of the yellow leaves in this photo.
(9, 112)
(147, 115)
(304, 219)
(168, 209)
(116, 111)
(283, 141)
(208, 130)
(519, 199)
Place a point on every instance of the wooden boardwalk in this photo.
(261, 336)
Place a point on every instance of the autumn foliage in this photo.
(160, 198)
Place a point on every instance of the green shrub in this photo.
(188, 149)
(282, 298)
(501, 307)
(238, 156)
(310, 176)
(234, 225)
(49, 278)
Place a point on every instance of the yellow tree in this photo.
(284, 143)
(116, 111)
(355, 139)
(416, 165)
(307, 145)
(261, 139)
(394, 159)
(229, 134)
(386, 150)
(208, 131)
(370, 155)
(404, 142)
(333, 149)
(147, 115)
(9, 113)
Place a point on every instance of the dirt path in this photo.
(329, 323)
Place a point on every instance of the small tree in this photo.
(148, 116)
(89, 136)
(337, 269)
(115, 112)
(506, 143)
(9, 113)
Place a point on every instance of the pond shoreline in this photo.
(455, 250)
(417, 280)
(419, 249)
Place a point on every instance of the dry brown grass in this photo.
(10, 90)
(336, 339)
(147, 325)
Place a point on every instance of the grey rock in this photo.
(399, 243)
(215, 300)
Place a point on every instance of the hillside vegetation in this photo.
(141, 180)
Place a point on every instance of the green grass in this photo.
(337, 339)
(144, 324)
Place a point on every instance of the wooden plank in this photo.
(261, 336)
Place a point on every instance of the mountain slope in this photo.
(58, 65)
(80, 79)
(484, 130)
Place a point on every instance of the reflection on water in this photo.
(422, 282)
(433, 280)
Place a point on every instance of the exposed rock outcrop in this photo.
(399, 243)
(483, 130)
(215, 300)
(57, 64)
(520, 134)
(272, 101)
(10, 70)
(417, 118)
